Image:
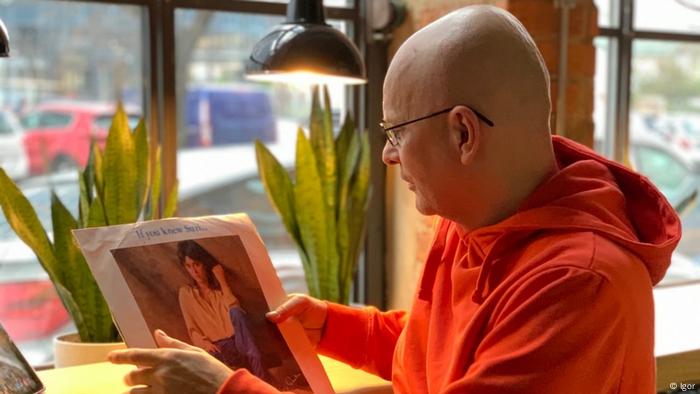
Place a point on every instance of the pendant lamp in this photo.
(306, 49)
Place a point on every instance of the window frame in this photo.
(617, 117)
(619, 77)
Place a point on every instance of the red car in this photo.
(58, 134)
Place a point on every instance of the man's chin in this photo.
(424, 209)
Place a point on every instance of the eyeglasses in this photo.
(392, 134)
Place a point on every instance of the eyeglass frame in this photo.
(391, 136)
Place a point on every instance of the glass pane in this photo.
(665, 137)
(608, 13)
(680, 16)
(604, 100)
(64, 74)
(222, 113)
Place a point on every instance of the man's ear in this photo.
(466, 125)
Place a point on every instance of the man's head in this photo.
(477, 60)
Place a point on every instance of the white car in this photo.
(13, 158)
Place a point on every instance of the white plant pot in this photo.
(69, 351)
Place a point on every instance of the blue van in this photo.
(228, 115)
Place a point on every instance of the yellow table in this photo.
(106, 378)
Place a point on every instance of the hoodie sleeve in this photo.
(363, 338)
(561, 331)
(242, 381)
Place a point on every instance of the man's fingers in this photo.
(293, 306)
(165, 341)
(141, 357)
(139, 376)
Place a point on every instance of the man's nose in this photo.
(390, 154)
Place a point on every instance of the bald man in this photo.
(540, 275)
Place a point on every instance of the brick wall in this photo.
(542, 20)
(409, 233)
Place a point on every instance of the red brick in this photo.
(539, 17)
(579, 97)
(550, 52)
(583, 20)
(581, 59)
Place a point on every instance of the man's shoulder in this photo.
(591, 254)
(585, 249)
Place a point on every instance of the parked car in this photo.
(687, 137)
(666, 168)
(13, 158)
(58, 134)
(228, 115)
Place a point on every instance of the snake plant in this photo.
(120, 184)
(324, 209)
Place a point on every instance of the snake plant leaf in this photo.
(120, 172)
(342, 144)
(84, 201)
(74, 273)
(86, 183)
(104, 328)
(171, 202)
(96, 216)
(327, 113)
(279, 189)
(141, 152)
(153, 209)
(317, 123)
(359, 198)
(311, 216)
(22, 217)
(324, 151)
(98, 170)
(74, 311)
(62, 223)
(345, 235)
(321, 135)
(88, 174)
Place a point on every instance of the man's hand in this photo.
(175, 367)
(310, 312)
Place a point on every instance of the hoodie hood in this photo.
(587, 193)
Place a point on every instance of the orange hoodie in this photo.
(556, 298)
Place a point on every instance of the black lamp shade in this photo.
(306, 47)
(4, 41)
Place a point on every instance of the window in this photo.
(53, 120)
(647, 105)
(66, 73)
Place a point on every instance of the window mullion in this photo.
(622, 89)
